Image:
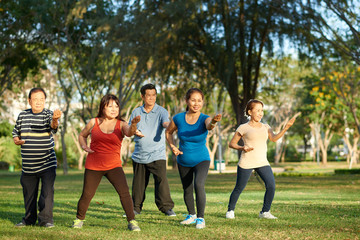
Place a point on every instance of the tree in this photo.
(345, 84)
(324, 114)
(229, 39)
(281, 81)
(331, 23)
(20, 52)
(331, 27)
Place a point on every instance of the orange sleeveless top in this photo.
(106, 148)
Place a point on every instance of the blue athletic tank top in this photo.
(192, 140)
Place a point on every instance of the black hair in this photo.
(35, 90)
(105, 100)
(250, 105)
(148, 86)
(190, 92)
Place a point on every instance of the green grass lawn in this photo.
(307, 207)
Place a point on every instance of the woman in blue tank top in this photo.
(192, 155)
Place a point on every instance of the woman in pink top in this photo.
(253, 156)
(107, 131)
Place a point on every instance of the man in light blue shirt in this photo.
(149, 156)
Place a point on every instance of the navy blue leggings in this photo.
(242, 179)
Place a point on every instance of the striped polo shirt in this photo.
(37, 152)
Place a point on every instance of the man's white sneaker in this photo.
(267, 215)
(230, 214)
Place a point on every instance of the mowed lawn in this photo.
(307, 207)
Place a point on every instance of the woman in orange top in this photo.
(107, 132)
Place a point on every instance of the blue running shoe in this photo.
(190, 219)
(200, 223)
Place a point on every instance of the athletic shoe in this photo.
(200, 223)
(135, 212)
(134, 226)
(267, 215)
(20, 224)
(48, 225)
(78, 223)
(170, 213)
(190, 219)
(230, 214)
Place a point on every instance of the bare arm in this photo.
(130, 130)
(234, 143)
(210, 123)
(169, 138)
(274, 137)
(55, 119)
(84, 135)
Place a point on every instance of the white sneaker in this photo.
(190, 219)
(200, 223)
(230, 214)
(267, 215)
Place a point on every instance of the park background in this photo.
(295, 56)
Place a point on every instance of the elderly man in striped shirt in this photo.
(34, 131)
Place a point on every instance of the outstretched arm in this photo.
(274, 137)
(210, 123)
(130, 130)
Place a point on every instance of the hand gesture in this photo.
(57, 114)
(18, 141)
(216, 118)
(247, 149)
(135, 120)
(139, 133)
(87, 149)
(292, 120)
(176, 151)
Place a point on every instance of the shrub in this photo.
(4, 166)
(6, 129)
(347, 171)
(291, 154)
(9, 152)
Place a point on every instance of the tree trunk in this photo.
(213, 150)
(63, 143)
(324, 157)
(82, 153)
(353, 152)
(305, 147)
(65, 118)
(279, 150)
(324, 144)
(322, 141)
(63, 147)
